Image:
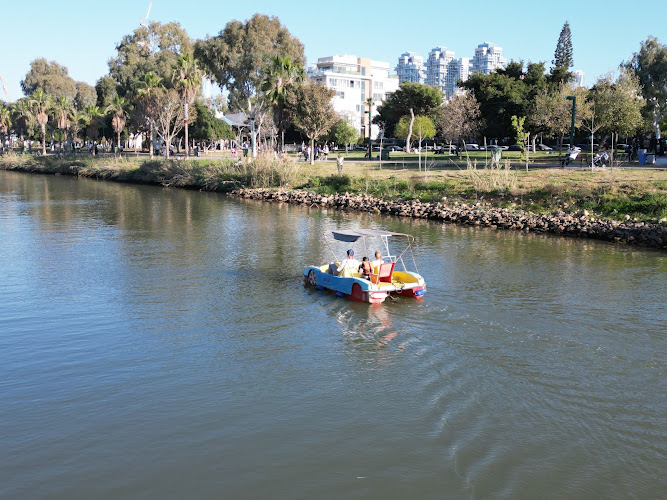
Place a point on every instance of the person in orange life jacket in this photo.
(365, 268)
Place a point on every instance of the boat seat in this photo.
(386, 272)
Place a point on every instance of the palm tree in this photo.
(22, 116)
(5, 122)
(150, 88)
(117, 108)
(187, 79)
(62, 111)
(40, 104)
(92, 120)
(278, 78)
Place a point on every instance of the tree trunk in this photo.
(118, 141)
(186, 109)
(43, 140)
(150, 142)
(407, 140)
(312, 151)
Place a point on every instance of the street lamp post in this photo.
(574, 112)
(370, 104)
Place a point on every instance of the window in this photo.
(341, 95)
(358, 108)
(377, 97)
(352, 84)
(333, 82)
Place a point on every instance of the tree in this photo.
(91, 118)
(62, 112)
(149, 92)
(50, 77)
(105, 89)
(155, 49)
(239, 55)
(5, 122)
(186, 79)
(22, 116)
(459, 118)
(86, 95)
(345, 133)
(421, 125)
(169, 118)
(117, 108)
(650, 66)
(206, 127)
(312, 111)
(278, 79)
(562, 57)
(507, 92)
(618, 103)
(409, 99)
(40, 104)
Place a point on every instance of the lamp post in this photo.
(369, 102)
(574, 111)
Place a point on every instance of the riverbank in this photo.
(626, 206)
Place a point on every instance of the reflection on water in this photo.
(160, 343)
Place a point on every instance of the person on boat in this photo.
(348, 266)
(365, 268)
(377, 262)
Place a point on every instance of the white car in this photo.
(472, 147)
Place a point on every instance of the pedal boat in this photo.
(385, 280)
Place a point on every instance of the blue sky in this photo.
(82, 35)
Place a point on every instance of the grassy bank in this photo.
(612, 193)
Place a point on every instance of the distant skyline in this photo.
(83, 37)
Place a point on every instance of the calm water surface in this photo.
(159, 343)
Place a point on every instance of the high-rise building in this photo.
(410, 68)
(355, 79)
(488, 58)
(578, 79)
(437, 66)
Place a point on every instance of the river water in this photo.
(159, 343)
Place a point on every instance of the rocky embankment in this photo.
(581, 224)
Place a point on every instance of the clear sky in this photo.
(82, 35)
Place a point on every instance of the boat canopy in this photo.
(351, 236)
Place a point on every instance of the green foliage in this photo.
(650, 67)
(154, 48)
(422, 99)
(506, 93)
(239, 55)
(345, 133)
(310, 106)
(520, 135)
(207, 127)
(50, 77)
(563, 53)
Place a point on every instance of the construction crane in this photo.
(144, 21)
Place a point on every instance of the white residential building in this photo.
(458, 70)
(437, 66)
(579, 80)
(488, 58)
(410, 68)
(355, 79)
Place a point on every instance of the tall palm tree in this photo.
(278, 78)
(5, 123)
(40, 104)
(22, 116)
(187, 79)
(62, 112)
(117, 109)
(92, 114)
(151, 86)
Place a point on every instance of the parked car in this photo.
(544, 147)
(472, 147)
(515, 147)
(395, 148)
